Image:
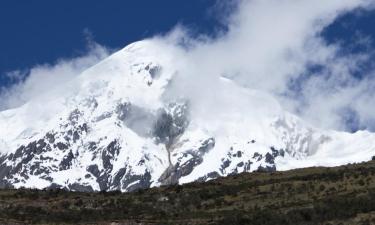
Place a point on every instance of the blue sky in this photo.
(34, 32)
(42, 31)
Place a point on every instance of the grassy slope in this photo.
(342, 195)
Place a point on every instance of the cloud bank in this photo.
(276, 46)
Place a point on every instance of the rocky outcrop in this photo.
(184, 167)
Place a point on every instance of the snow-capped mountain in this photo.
(118, 126)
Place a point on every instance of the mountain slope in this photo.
(310, 196)
(120, 125)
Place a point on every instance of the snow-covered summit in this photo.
(119, 126)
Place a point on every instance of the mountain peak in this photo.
(120, 125)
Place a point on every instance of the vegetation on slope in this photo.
(341, 195)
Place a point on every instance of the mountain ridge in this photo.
(121, 125)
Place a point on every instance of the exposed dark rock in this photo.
(67, 161)
(55, 186)
(76, 136)
(67, 138)
(84, 127)
(116, 183)
(269, 158)
(26, 154)
(154, 71)
(247, 166)
(18, 153)
(109, 154)
(257, 156)
(47, 178)
(5, 184)
(101, 176)
(92, 146)
(94, 170)
(40, 147)
(238, 154)
(275, 152)
(209, 176)
(175, 172)
(266, 169)
(61, 146)
(226, 163)
(80, 187)
(141, 162)
(4, 170)
(46, 158)
(37, 169)
(34, 152)
(130, 181)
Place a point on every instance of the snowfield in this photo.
(120, 125)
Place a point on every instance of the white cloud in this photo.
(39, 80)
(271, 46)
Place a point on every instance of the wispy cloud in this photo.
(272, 46)
(41, 79)
(276, 46)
